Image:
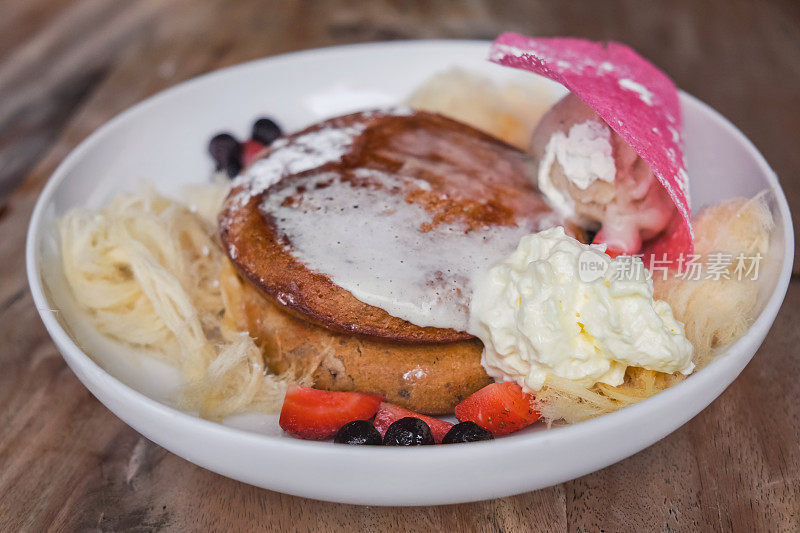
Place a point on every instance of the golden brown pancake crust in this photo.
(474, 179)
(427, 378)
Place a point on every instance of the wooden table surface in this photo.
(67, 66)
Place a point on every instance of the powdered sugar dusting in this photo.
(306, 152)
(635, 98)
(415, 373)
(638, 88)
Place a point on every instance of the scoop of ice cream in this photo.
(593, 176)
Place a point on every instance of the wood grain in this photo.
(67, 463)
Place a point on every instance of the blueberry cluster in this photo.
(231, 156)
(408, 431)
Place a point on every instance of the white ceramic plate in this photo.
(164, 140)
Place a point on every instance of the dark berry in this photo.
(359, 432)
(408, 431)
(265, 131)
(232, 168)
(225, 149)
(466, 432)
(250, 151)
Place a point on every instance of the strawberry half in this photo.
(314, 414)
(250, 150)
(389, 413)
(500, 408)
(628, 243)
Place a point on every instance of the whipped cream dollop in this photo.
(557, 307)
(584, 153)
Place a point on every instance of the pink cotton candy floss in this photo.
(637, 100)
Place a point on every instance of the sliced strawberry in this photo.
(389, 413)
(318, 414)
(250, 150)
(619, 242)
(613, 252)
(500, 407)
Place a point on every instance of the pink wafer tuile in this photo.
(637, 100)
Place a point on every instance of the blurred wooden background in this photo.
(67, 66)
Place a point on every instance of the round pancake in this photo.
(472, 179)
(426, 378)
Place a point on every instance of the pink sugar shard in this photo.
(637, 100)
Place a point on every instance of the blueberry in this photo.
(233, 167)
(265, 131)
(226, 151)
(466, 432)
(408, 431)
(359, 432)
